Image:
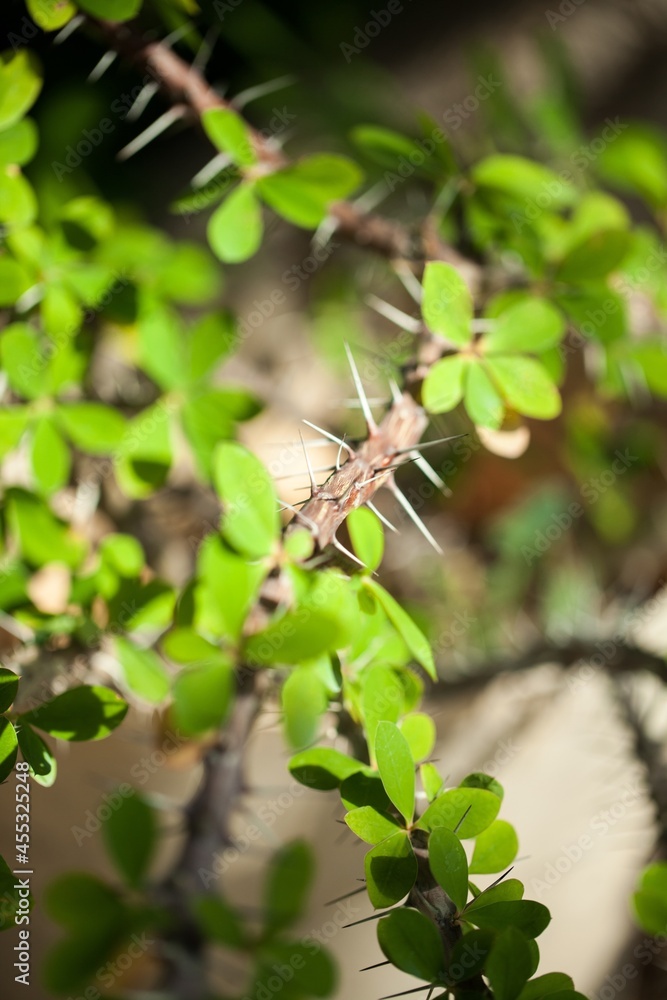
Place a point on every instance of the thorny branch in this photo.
(369, 467)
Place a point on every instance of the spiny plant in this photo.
(110, 347)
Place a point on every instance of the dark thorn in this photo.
(339, 899)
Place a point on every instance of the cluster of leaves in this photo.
(470, 931)
(75, 275)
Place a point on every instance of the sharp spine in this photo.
(412, 514)
(361, 393)
(385, 520)
(159, 126)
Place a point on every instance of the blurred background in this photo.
(522, 607)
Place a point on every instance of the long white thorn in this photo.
(340, 451)
(412, 514)
(261, 89)
(394, 315)
(427, 469)
(69, 29)
(380, 515)
(346, 552)
(409, 281)
(427, 444)
(331, 437)
(159, 126)
(361, 393)
(396, 393)
(210, 169)
(100, 68)
(313, 485)
(306, 520)
(205, 51)
(142, 100)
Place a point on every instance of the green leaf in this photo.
(250, 516)
(412, 636)
(411, 942)
(525, 915)
(364, 788)
(385, 146)
(636, 161)
(210, 415)
(449, 865)
(302, 192)
(49, 15)
(526, 386)
(396, 768)
(469, 955)
(18, 144)
(510, 964)
(508, 889)
(50, 457)
(468, 811)
(143, 670)
(9, 685)
(236, 228)
(314, 971)
(545, 986)
(13, 422)
(203, 696)
(370, 825)
(8, 748)
(60, 311)
(322, 622)
(14, 280)
(447, 303)
(442, 388)
(18, 203)
(382, 697)
(323, 768)
(288, 881)
(130, 835)
(227, 585)
(184, 645)
(419, 730)
(595, 257)
(41, 536)
(73, 962)
(123, 553)
(431, 781)
(532, 325)
(111, 10)
(482, 400)
(495, 848)
(650, 901)
(22, 360)
(20, 84)
(211, 340)
(219, 921)
(162, 345)
(523, 179)
(390, 869)
(38, 755)
(82, 713)
(229, 133)
(479, 780)
(304, 701)
(367, 536)
(93, 427)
